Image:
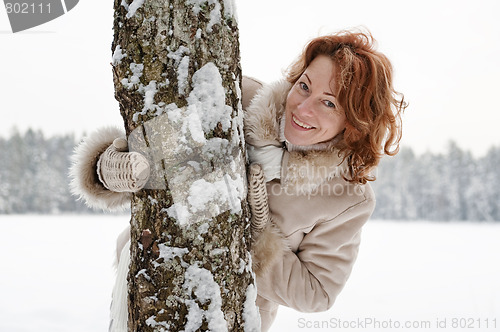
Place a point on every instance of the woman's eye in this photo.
(303, 86)
(329, 104)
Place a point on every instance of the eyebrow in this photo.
(326, 93)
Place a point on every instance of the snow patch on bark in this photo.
(230, 9)
(149, 96)
(203, 193)
(201, 283)
(118, 55)
(181, 61)
(251, 314)
(182, 75)
(238, 135)
(158, 326)
(132, 8)
(209, 98)
(134, 82)
(169, 253)
(215, 13)
(134, 78)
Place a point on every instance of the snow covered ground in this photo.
(56, 276)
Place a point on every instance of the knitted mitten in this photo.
(257, 198)
(120, 170)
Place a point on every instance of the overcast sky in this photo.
(446, 55)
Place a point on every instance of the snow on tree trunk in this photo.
(177, 80)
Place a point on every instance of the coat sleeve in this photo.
(84, 182)
(310, 279)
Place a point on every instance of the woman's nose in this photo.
(306, 107)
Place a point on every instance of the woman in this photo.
(314, 140)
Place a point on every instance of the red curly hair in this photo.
(365, 91)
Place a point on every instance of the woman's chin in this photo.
(293, 139)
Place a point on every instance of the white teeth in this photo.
(303, 125)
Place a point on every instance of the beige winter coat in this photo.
(304, 257)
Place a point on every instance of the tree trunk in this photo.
(177, 80)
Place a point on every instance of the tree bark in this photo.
(190, 269)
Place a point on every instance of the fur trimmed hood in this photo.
(302, 168)
(84, 180)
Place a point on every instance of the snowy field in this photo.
(56, 276)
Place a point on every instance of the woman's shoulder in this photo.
(347, 196)
(262, 116)
(254, 88)
(345, 203)
(249, 88)
(334, 200)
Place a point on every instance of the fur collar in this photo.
(303, 168)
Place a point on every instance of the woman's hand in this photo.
(257, 198)
(120, 170)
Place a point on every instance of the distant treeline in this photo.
(34, 174)
(449, 186)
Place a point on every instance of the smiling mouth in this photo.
(300, 123)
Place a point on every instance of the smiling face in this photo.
(313, 114)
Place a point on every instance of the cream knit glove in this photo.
(120, 170)
(257, 198)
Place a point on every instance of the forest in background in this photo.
(450, 186)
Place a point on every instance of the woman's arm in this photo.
(85, 182)
(310, 279)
